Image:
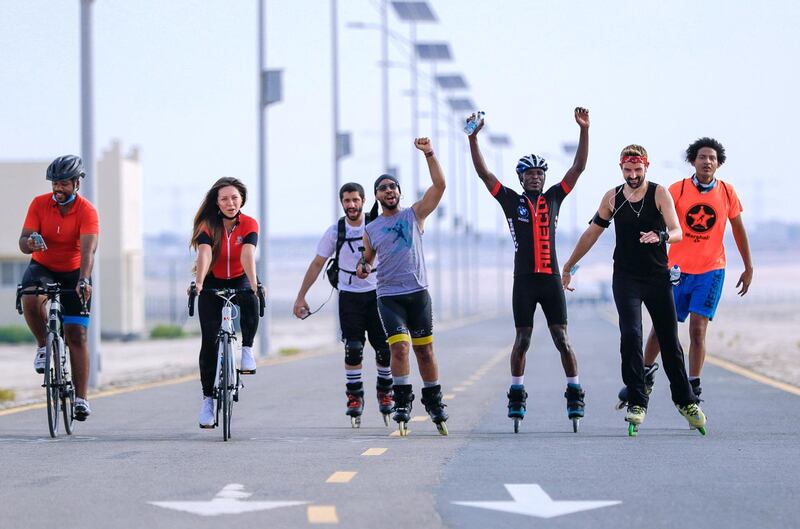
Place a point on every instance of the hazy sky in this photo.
(178, 79)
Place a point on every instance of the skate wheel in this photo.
(632, 429)
(403, 429)
(575, 425)
(702, 430)
(355, 422)
(516, 425)
(442, 427)
(386, 419)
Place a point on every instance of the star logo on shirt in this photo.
(701, 218)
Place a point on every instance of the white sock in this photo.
(353, 376)
(384, 372)
(574, 380)
(247, 349)
(518, 381)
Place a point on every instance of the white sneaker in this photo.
(206, 418)
(39, 359)
(82, 409)
(248, 364)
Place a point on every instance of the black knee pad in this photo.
(353, 352)
(383, 357)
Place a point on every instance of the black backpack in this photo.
(332, 269)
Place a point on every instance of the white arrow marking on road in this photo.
(532, 500)
(227, 501)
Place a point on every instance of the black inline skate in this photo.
(403, 397)
(575, 404)
(355, 404)
(384, 394)
(432, 400)
(649, 381)
(517, 397)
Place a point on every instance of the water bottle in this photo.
(675, 275)
(472, 123)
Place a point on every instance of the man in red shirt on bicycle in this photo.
(60, 233)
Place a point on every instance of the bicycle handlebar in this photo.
(227, 291)
(50, 290)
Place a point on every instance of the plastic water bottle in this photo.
(472, 123)
(675, 275)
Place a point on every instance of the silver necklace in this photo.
(638, 213)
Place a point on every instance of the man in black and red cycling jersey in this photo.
(532, 217)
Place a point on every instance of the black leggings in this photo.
(656, 294)
(209, 308)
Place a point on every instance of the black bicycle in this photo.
(57, 381)
(227, 380)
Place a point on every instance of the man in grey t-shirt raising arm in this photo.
(404, 305)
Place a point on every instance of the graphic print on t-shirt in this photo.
(701, 218)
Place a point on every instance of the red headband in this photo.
(634, 159)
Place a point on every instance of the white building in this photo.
(120, 250)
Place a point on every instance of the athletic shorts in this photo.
(699, 294)
(407, 317)
(71, 308)
(358, 314)
(544, 289)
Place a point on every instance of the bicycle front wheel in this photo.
(226, 393)
(67, 396)
(51, 365)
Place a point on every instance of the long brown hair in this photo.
(210, 217)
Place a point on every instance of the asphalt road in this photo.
(141, 461)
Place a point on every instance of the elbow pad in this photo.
(600, 221)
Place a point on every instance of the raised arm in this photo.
(425, 206)
(489, 179)
(742, 243)
(301, 308)
(582, 154)
(599, 222)
(666, 206)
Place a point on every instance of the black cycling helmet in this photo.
(66, 168)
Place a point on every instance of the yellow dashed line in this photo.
(396, 433)
(341, 477)
(374, 452)
(459, 389)
(419, 418)
(322, 514)
(449, 396)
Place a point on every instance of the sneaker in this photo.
(636, 414)
(82, 409)
(693, 414)
(207, 419)
(39, 359)
(248, 364)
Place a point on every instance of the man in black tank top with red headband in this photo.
(532, 217)
(644, 222)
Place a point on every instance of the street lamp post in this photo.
(460, 106)
(433, 53)
(450, 82)
(90, 184)
(413, 13)
(269, 92)
(500, 141)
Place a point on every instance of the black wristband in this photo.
(663, 237)
(429, 154)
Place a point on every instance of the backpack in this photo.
(332, 269)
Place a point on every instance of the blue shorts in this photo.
(699, 294)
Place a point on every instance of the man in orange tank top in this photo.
(704, 204)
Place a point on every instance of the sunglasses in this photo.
(384, 187)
